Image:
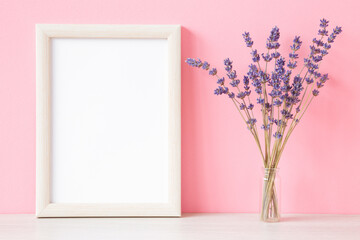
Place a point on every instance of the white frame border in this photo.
(44, 33)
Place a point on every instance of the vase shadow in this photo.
(307, 217)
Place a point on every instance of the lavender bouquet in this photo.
(282, 95)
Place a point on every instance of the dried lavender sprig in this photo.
(220, 90)
(251, 123)
(314, 92)
(234, 83)
(272, 43)
(316, 58)
(336, 31)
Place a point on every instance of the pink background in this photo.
(220, 162)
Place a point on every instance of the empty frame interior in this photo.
(109, 120)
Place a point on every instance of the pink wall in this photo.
(220, 162)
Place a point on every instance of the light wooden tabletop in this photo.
(224, 226)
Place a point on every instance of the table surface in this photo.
(197, 226)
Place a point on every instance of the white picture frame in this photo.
(57, 95)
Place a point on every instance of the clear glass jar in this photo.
(270, 200)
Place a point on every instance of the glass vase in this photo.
(270, 200)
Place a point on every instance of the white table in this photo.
(207, 226)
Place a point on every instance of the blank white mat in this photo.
(109, 120)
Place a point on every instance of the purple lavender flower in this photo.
(277, 103)
(323, 52)
(242, 106)
(277, 135)
(319, 84)
(251, 121)
(228, 68)
(227, 62)
(251, 106)
(296, 44)
(327, 46)
(337, 30)
(213, 71)
(267, 127)
(269, 45)
(255, 56)
(264, 77)
(241, 95)
(206, 66)
(292, 65)
(293, 55)
(286, 77)
(316, 74)
(314, 50)
(253, 71)
(278, 122)
(232, 75)
(331, 38)
(221, 81)
(253, 74)
(280, 62)
(274, 34)
(317, 58)
(267, 106)
(246, 80)
(260, 100)
(296, 89)
(228, 65)
(311, 70)
(275, 93)
(324, 23)
(247, 39)
(286, 88)
(234, 83)
(315, 92)
(272, 45)
(246, 83)
(280, 65)
(194, 63)
(275, 81)
(272, 41)
(333, 35)
(221, 90)
(323, 32)
(257, 84)
(217, 91)
(286, 114)
(319, 42)
(314, 66)
(307, 63)
(309, 80)
(297, 79)
(275, 55)
(267, 57)
(231, 95)
(324, 78)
